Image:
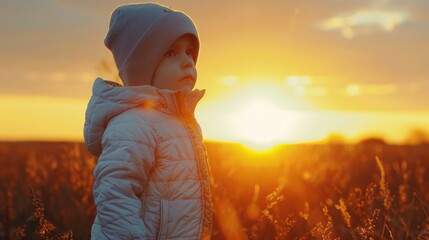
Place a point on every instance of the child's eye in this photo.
(170, 53)
(190, 51)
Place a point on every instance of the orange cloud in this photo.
(364, 21)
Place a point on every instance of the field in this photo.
(370, 190)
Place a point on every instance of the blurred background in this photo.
(275, 71)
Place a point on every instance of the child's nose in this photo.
(188, 61)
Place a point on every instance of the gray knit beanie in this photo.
(140, 34)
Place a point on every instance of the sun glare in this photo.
(262, 125)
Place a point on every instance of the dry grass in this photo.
(45, 229)
(366, 191)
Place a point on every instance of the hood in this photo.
(110, 99)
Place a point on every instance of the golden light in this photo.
(353, 89)
(42, 118)
(261, 124)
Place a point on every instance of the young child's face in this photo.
(177, 68)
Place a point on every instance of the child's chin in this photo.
(186, 89)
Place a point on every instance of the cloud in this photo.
(61, 77)
(365, 21)
(55, 84)
(298, 80)
(371, 89)
(44, 15)
(230, 80)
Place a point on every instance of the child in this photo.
(152, 176)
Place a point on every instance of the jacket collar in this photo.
(178, 102)
(175, 102)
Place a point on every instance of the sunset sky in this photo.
(275, 71)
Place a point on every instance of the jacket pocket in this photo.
(163, 222)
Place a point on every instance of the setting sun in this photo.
(261, 124)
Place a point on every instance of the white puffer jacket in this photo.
(152, 176)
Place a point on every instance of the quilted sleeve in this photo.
(120, 177)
